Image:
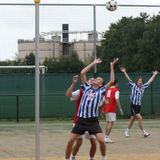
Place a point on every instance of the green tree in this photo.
(69, 64)
(29, 59)
(6, 63)
(135, 41)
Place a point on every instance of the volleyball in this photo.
(111, 5)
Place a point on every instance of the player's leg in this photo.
(77, 130)
(134, 111)
(126, 133)
(139, 117)
(108, 131)
(76, 147)
(110, 119)
(93, 141)
(100, 139)
(93, 127)
(93, 148)
(70, 143)
(132, 118)
(109, 128)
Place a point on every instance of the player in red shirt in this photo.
(111, 98)
(76, 96)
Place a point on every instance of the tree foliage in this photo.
(68, 64)
(135, 41)
(29, 60)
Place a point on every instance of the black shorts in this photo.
(135, 109)
(87, 124)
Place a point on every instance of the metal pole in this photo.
(37, 97)
(95, 37)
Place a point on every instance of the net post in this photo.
(37, 88)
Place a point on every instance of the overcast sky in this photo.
(17, 22)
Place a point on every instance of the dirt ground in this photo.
(17, 141)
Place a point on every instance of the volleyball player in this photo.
(88, 110)
(76, 96)
(137, 91)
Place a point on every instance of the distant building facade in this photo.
(55, 48)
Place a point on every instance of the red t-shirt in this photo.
(77, 106)
(110, 95)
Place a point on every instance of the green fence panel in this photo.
(156, 103)
(17, 84)
(125, 103)
(56, 105)
(18, 90)
(8, 107)
(27, 106)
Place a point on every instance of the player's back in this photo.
(110, 97)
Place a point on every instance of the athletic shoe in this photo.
(108, 140)
(126, 133)
(146, 134)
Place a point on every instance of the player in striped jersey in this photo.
(76, 96)
(88, 110)
(137, 91)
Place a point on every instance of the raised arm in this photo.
(87, 68)
(71, 87)
(112, 73)
(153, 76)
(123, 69)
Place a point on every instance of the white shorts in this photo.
(110, 117)
(86, 135)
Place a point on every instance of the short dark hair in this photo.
(139, 77)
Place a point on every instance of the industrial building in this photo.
(54, 44)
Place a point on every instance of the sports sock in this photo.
(107, 136)
(144, 132)
(104, 158)
(127, 129)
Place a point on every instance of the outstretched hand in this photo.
(123, 69)
(97, 61)
(115, 60)
(155, 72)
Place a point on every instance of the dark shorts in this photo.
(135, 109)
(87, 124)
